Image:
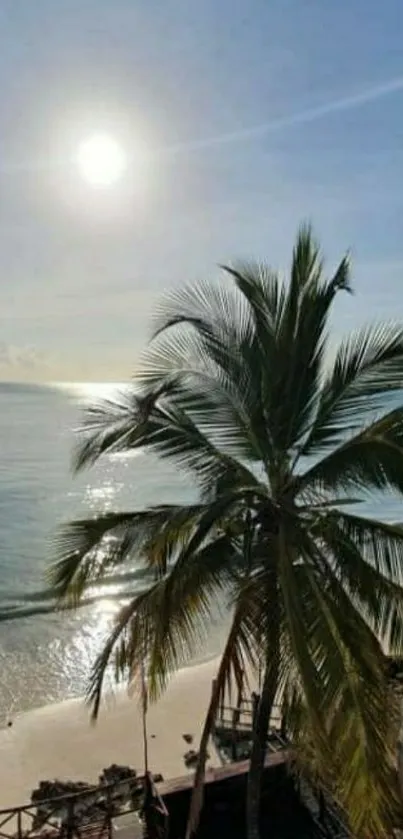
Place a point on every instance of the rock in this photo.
(191, 757)
(88, 808)
(56, 789)
(123, 788)
(127, 787)
(188, 738)
(115, 773)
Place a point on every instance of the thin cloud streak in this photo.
(346, 103)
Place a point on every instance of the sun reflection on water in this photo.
(101, 498)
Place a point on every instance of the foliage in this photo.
(236, 389)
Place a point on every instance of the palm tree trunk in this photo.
(261, 725)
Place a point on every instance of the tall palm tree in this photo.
(237, 389)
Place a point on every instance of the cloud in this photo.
(17, 361)
(349, 102)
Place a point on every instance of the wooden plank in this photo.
(221, 773)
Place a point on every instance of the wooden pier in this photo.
(88, 814)
(140, 807)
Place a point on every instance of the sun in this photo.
(101, 160)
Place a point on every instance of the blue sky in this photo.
(80, 270)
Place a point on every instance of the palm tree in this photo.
(237, 389)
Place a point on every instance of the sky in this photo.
(240, 120)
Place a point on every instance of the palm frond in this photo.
(111, 425)
(213, 361)
(221, 401)
(87, 549)
(210, 307)
(367, 367)
(368, 561)
(300, 626)
(164, 428)
(372, 459)
(302, 342)
(359, 727)
(289, 333)
(380, 542)
(163, 627)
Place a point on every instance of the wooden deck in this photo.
(71, 816)
(112, 810)
(221, 773)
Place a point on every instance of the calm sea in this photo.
(47, 658)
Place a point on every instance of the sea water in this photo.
(47, 658)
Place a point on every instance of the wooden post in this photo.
(255, 705)
(221, 711)
(19, 826)
(236, 717)
(283, 727)
(70, 819)
(144, 708)
(109, 812)
(240, 689)
(322, 807)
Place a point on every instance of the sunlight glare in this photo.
(101, 160)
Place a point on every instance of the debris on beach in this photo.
(128, 784)
(125, 786)
(115, 774)
(188, 738)
(191, 757)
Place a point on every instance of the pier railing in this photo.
(91, 813)
(87, 814)
(233, 730)
(232, 737)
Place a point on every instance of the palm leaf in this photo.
(367, 367)
(166, 429)
(353, 562)
(210, 355)
(164, 626)
(87, 549)
(368, 558)
(359, 728)
(372, 459)
(299, 629)
(302, 338)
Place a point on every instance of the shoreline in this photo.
(58, 741)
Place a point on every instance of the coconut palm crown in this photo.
(283, 439)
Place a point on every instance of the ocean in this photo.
(47, 659)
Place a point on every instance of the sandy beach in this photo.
(58, 741)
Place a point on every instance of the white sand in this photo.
(58, 741)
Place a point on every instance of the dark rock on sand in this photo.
(191, 757)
